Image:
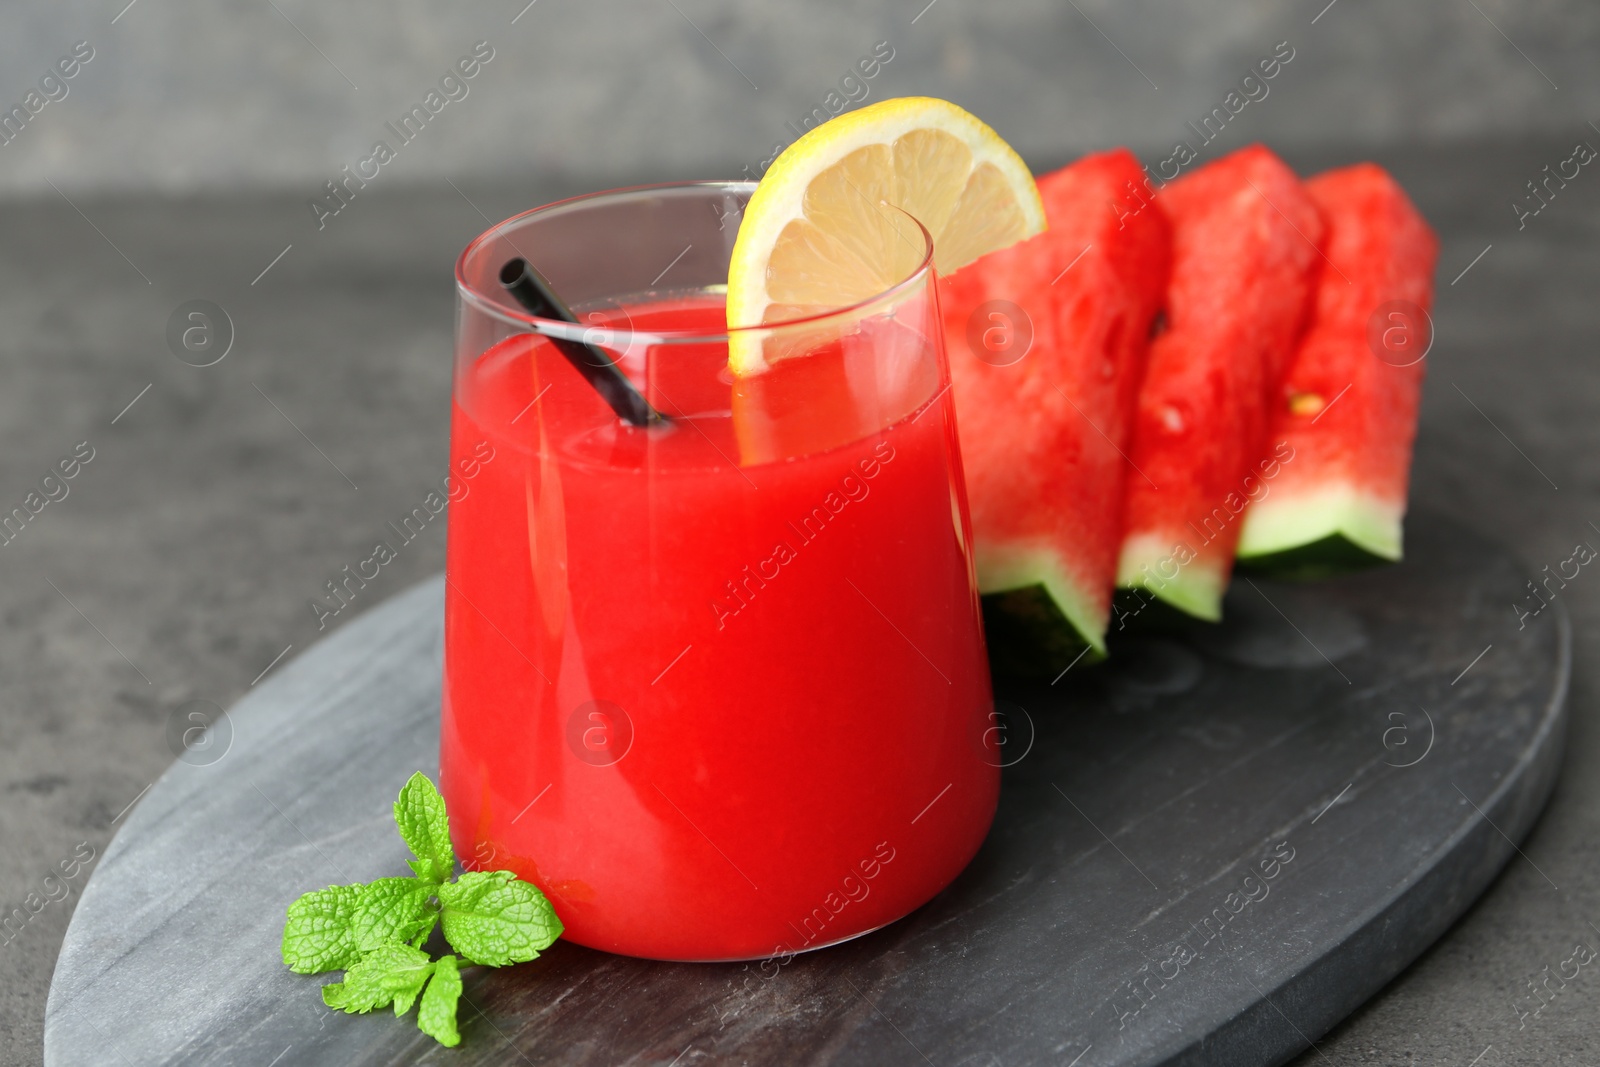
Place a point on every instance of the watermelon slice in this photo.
(1348, 409)
(1244, 270)
(1047, 343)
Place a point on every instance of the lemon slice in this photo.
(822, 232)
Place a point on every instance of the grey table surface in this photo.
(1206, 851)
(181, 564)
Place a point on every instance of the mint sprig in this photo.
(374, 931)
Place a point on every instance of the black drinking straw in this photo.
(597, 368)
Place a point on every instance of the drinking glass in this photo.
(717, 686)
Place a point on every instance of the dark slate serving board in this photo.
(1208, 851)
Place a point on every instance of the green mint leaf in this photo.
(437, 1015)
(318, 936)
(383, 975)
(491, 917)
(406, 997)
(419, 813)
(393, 910)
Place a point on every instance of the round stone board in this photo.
(1208, 851)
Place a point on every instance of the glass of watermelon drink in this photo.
(717, 686)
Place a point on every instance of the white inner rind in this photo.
(1293, 519)
(1000, 571)
(1195, 589)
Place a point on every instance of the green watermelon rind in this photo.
(1328, 558)
(1037, 620)
(1196, 589)
(1329, 530)
(1029, 637)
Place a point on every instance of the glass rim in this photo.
(482, 301)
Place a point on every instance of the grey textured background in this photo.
(221, 94)
(193, 542)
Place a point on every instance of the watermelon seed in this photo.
(1305, 404)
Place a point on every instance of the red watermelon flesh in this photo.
(1348, 408)
(1244, 270)
(1044, 427)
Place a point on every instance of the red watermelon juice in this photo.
(719, 690)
